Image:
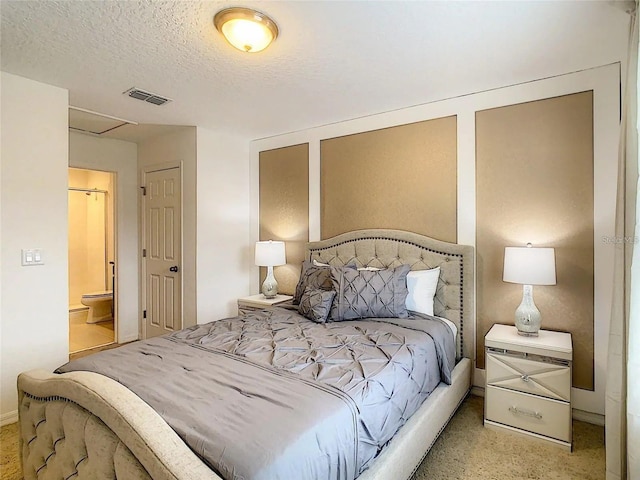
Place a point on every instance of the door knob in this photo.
(173, 269)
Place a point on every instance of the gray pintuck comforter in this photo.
(272, 395)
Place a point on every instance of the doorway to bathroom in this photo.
(92, 313)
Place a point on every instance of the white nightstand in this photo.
(528, 383)
(258, 302)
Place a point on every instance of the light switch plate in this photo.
(32, 256)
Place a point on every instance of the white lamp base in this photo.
(270, 286)
(528, 318)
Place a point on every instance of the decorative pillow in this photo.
(316, 304)
(318, 278)
(369, 294)
(315, 275)
(422, 285)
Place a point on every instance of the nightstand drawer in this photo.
(543, 416)
(542, 377)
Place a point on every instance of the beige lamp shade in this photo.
(270, 253)
(529, 265)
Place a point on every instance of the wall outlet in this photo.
(32, 256)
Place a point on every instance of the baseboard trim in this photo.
(129, 338)
(588, 417)
(477, 391)
(8, 418)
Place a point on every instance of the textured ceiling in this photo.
(332, 61)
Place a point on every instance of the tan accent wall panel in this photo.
(534, 183)
(401, 177)
(284, 208)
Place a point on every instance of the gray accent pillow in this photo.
(318, 278)
(316, 304)
(315, 276)
(369, 294)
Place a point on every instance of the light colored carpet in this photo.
(10, 460)
(465, 451)
(468, 451)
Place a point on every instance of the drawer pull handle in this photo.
(527, 413)
(525, 378)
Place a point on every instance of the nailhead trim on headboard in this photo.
(386, 238)
(447, 257)
(461, 332)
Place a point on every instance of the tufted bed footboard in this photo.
(82, 425)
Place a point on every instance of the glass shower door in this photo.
(88, 267)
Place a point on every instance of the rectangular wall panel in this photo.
(284, 208)
(534, 183)
(401, 177)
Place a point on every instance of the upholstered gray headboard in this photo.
(454, 298)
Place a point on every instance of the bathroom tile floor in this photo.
(86, 335)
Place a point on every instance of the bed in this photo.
(83, 424)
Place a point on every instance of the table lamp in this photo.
(270, 254)
(529, 266)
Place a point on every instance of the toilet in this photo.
(100, 305)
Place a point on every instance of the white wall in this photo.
(179, 146)
(604, 81)
(34, 321)
(225, 255)
(117, 156)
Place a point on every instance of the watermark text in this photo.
(620, 239)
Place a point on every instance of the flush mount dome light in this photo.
(246, 29)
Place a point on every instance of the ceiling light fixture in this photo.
(246, 29)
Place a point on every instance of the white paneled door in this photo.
(163, 252)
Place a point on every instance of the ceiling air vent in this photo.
(146, 96)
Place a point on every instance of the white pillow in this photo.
(316, 263)
(422, 286)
